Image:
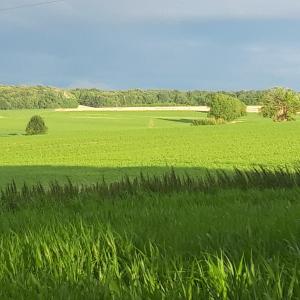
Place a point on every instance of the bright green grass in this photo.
(230, 244)
(87, 145)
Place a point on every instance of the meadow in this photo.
(77, 230)
(85, 146)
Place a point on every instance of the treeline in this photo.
(20, 97)
(99, 98)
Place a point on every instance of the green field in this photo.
(224, 236)
(226, 244)
(88, 145)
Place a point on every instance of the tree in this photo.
(36, 125)
(226, 107)
(280, 104)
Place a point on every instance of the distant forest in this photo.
(25, 97)
(19, 97)
(98, 98)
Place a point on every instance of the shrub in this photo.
(280, 104)
(208, 121)
(226, 107)
(36, 125)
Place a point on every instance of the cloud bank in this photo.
(116, 11)
(224, 44)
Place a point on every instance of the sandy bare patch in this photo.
(82, 108)
(234, 122)
(96, 117)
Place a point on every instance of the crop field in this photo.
(183, 223)
(85, 146)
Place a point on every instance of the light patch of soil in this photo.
(81, 108)
(234, 122)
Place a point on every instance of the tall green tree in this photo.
(280, 104)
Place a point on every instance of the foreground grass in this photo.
(86, 145)
(185, 243)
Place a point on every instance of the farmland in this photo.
(88, 145)
(217, 233)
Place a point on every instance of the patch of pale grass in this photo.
(86, 117)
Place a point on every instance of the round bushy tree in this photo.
(226, 107)
(280, 104)
(36, 125)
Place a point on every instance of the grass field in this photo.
(223, 237)
(225, 244)
(88, 145)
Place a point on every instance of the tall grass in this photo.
(222, 236)
(76, 261)
(260, 178)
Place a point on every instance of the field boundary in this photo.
(169, 182)
(82, 108)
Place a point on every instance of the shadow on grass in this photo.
(57, 182)
(88, 175)
(82, 175)
(187, 121)
(12, 134)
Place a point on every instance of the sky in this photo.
(151, 44)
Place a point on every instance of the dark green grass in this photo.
(223, 237)
(13, 196)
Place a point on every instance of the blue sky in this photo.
(121, 44)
